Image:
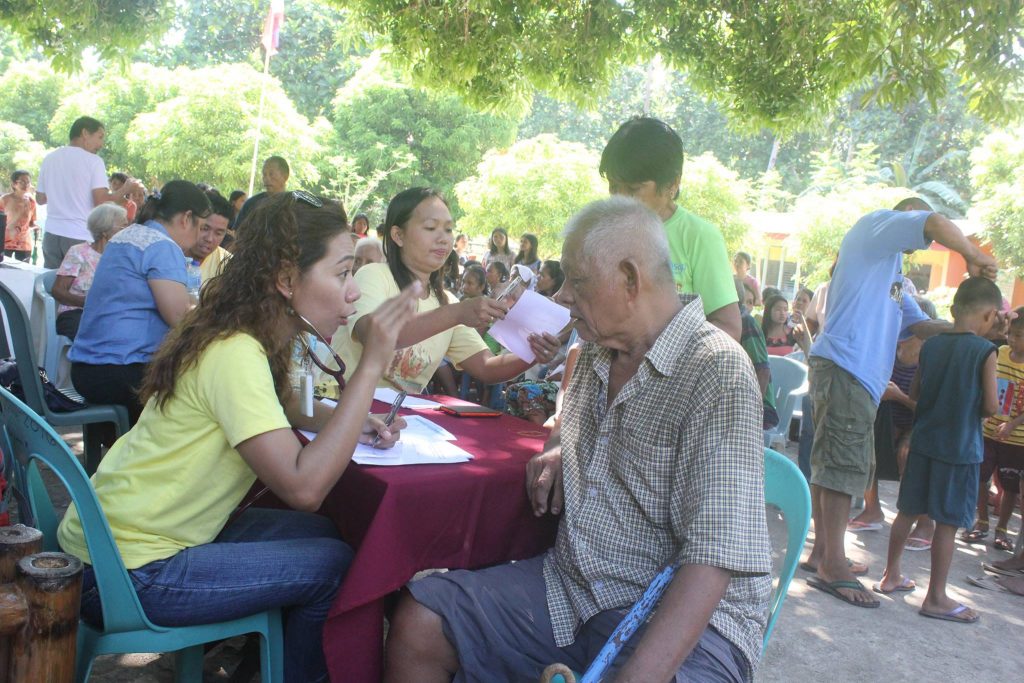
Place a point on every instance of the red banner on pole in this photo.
(272, 27)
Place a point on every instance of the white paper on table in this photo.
(419, 427)
(413, 452)
(389, 395)
(532, 314)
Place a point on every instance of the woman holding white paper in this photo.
(417, 242)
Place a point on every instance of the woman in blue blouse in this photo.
(138, 293)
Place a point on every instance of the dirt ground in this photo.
(816, 638)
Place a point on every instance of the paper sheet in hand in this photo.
(388, 396)
(532, 314)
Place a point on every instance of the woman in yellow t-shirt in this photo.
(219, 412)
(417, 242)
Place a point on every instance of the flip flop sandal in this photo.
(1003, 544)
(951, 615)
(987, 582)
(1002, 572)
(833, 590)
(808, 567)
(906, 585)
(864, 526)
(974, 535)
(916, 545)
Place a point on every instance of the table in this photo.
(402, 520)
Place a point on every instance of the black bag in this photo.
(55, 399)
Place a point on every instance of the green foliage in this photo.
(64, 29)
(533, 186)
(998, 176)
(777, 64)
(718, 195)
(31, 94)
(314, 58)
(18, 151)
(203, 135)
(116, 100)
(377, 117)
(843, 192)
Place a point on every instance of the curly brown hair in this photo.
(282, 232)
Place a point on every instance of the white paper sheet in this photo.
(413, 452)
(388, 396)
(532, 314)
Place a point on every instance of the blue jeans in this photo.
(264, 559)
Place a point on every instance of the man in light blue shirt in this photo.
(851, 362)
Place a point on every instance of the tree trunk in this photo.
(773, 157)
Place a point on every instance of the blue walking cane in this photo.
(560, 673)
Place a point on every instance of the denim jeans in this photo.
(264, 559)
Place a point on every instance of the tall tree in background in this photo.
(376, 110)
(533, 186)
(318, 45)
(998, 176)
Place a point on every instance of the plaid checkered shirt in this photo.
(672, 470)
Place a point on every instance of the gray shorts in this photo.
(497, 620)
(843, 454)
(55, 247)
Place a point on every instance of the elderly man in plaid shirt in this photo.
(658, 460)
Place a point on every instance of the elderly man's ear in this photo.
(630, 270)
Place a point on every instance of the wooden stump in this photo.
(44, 649)
(16, 542)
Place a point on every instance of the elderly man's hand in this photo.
(544, 346)
(544, 482)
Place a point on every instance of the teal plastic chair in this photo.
(125, 626)
(784, 488)
(20, 343)
(789, 377)
(55, 343)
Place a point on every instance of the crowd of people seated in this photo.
(194, 311)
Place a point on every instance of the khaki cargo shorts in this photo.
(843, 455)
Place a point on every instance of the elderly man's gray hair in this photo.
(369, 241)
(611, 229)
(105, 218)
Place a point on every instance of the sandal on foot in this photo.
(905, 586)
(1002, 541)
(917, 544)
(975, 535)
(858, 571)
(987, 582)
(999, 570)
(956, 614)
(832, 588)
(855, 526)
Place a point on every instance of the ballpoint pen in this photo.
(391, 415)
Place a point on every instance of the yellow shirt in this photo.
(212, 264)
(173, 480)
(1010, 391)
(413, 366)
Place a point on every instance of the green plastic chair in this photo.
(786, 489)
(20, 342)
(126, 628)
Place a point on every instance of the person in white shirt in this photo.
(72, 181)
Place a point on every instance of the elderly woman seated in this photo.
(74, 277)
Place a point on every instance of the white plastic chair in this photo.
(789, 379)
(55, 343)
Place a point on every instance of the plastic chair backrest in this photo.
(788, 375)
(786, 488)
(20, 344)
(32, 440)
(54, 342)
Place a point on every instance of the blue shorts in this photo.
(945, 492)
(498, 622)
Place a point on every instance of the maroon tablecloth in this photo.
(402, 520)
